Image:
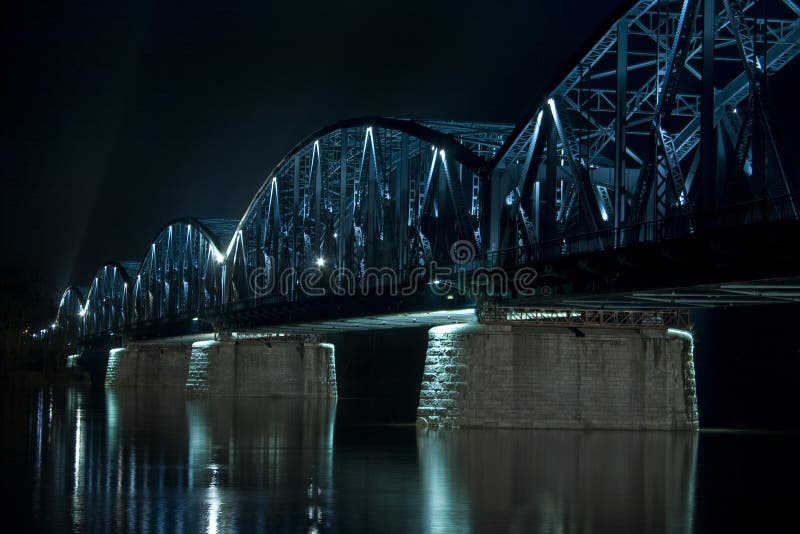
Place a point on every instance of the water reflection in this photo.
(557, 481)
(152, 461)
(261, 463)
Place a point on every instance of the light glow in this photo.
(320, 262)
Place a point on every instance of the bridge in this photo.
(647, 180)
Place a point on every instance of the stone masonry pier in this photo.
(548, 377)
(263, 367)
(148, 364)
(291, 366)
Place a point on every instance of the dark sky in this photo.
(118, 118)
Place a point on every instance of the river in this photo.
(151, 461)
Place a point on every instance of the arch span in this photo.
(181, 273)
(365, 193)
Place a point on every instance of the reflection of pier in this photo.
(558, 481)
(150, 461)
(158, 462)
(272, 448)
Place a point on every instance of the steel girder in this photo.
(69, 318)
(642, 82)
(106, 307)
(180, 276)
(372, 193)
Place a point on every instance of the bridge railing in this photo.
(491, 314)
(755, 212)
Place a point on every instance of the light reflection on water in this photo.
(159, 462)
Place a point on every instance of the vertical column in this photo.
(341, 233)
(621, 119)
(401, 204)
(550, 183)
(707, 138)
(372, 203)
(317, 203)
(444, 210)
(495, 206)
(297, 220)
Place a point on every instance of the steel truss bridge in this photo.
(649, 176)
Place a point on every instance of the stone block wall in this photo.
(539, 377)
(148, 365)
(262, 368)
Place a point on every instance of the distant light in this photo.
(335, 235)
(735, 111)
(320, 262)
(53, 326)
(603, 213)
(441, 154)
(195, 319)
(450, 297)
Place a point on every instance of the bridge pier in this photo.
(283, 366)
(480, 375)
(148, 364)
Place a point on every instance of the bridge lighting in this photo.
(320, 262)
(603, 213)
(441, 154)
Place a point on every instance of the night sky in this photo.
(117, 119)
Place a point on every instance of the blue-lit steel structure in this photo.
(659, 132)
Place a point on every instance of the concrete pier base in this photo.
(547, 377)
(264, 367)
(151, 365)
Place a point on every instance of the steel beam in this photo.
(621, 119)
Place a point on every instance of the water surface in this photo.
(150, 461)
